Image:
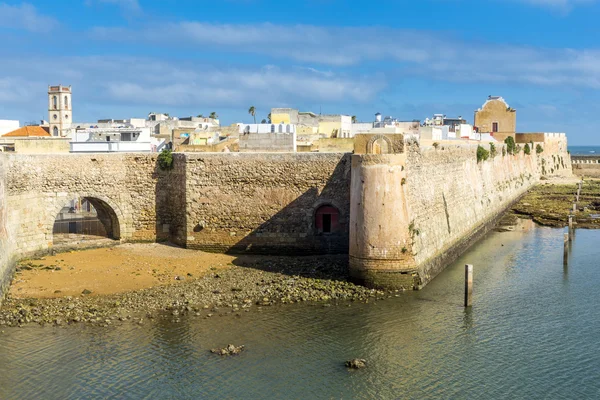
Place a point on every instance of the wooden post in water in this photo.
(570, 227)
(468, 285)
(566, 249)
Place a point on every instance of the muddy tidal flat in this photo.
(136, 282)
(551, 202)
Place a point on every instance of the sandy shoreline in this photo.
(146, 285)
(112, 270)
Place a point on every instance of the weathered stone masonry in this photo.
(7, 253)
(265, 203)
(250, 203)
(417, 210)
(447, 202)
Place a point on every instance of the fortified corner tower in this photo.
(380, 241)
(59, 110)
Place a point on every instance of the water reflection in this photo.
(531, 333)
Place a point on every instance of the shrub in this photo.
(165, 160)
(510, 145)
(493, 151)
(403, 181)
(527, 149)
(436, 144)
(539, 149)
(503, 151)
(482, 154)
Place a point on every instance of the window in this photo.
(55, 131)
(494, 127)
(55, 102)
(66, 102)
(55, 117)
(327, 220)
(272, 128)
(66, 116)
(287, 129)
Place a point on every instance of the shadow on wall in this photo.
(316, 222)
(170, 202)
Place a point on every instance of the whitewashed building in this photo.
(117, 139)
(8, 125)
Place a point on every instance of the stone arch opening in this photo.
(379, 145)
(327, 220)
(85, 219)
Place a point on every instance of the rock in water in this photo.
(86, 291)
(356, 363)
(230, 350)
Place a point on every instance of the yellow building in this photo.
(497, 118)
(331, 126)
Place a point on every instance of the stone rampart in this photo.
(417, 209)
(122, 187)
(451, 201)
(7, 252)
(586, 165)
(265, 203)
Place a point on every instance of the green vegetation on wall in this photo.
(165, 160)
(482, 154)
(511, 147)
(527, 149)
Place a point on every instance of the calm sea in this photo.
(584, 150)
(533, 333)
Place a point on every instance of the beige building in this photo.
(308, 123)
(497, 118)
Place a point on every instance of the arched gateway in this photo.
(84, 218)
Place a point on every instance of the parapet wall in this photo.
(586, 165)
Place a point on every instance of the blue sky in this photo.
(409, 59)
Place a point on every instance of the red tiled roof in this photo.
(28, 131)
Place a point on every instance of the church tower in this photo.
(59, 110)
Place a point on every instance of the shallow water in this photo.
(532, 333)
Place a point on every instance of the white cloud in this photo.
(150, 83)
(412, 53)
(26, 17)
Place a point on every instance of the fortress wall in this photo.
(451, 201)
(7, 254)
(454, 200)
(38, 186)
(265, 203)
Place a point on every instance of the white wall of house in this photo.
(8, 125)
(102, 140)
(266, 128)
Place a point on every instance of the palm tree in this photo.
(213, 115)
(269, 117)
(264, 121)
(354, 119)
(252, 111)
(200, 116)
